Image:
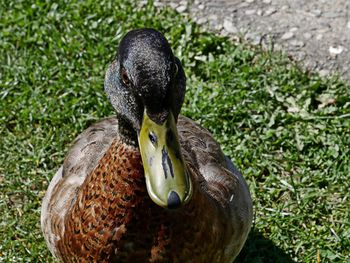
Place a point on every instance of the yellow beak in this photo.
(168, 183)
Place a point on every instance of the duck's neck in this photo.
(126, 131)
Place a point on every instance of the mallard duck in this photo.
(147, 185)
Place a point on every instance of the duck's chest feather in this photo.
(112, 219)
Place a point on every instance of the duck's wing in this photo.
(224, 183)
(205, 153)
(88, 148)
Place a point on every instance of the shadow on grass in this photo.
(259, 249)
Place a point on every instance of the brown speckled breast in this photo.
(112, 219)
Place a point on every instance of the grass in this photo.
(286, 129)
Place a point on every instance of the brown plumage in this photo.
(97, 207)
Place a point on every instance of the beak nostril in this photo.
(153, 138)
(174, 200)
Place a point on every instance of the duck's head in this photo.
(146, 86)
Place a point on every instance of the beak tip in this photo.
(174, 200)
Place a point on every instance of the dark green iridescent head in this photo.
(146, 86)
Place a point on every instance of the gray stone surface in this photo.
(316, 32)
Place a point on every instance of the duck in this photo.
(147, 184)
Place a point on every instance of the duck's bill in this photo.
(168, 183)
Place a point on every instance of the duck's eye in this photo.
(125, 77)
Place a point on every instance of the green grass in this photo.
(287, 130)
